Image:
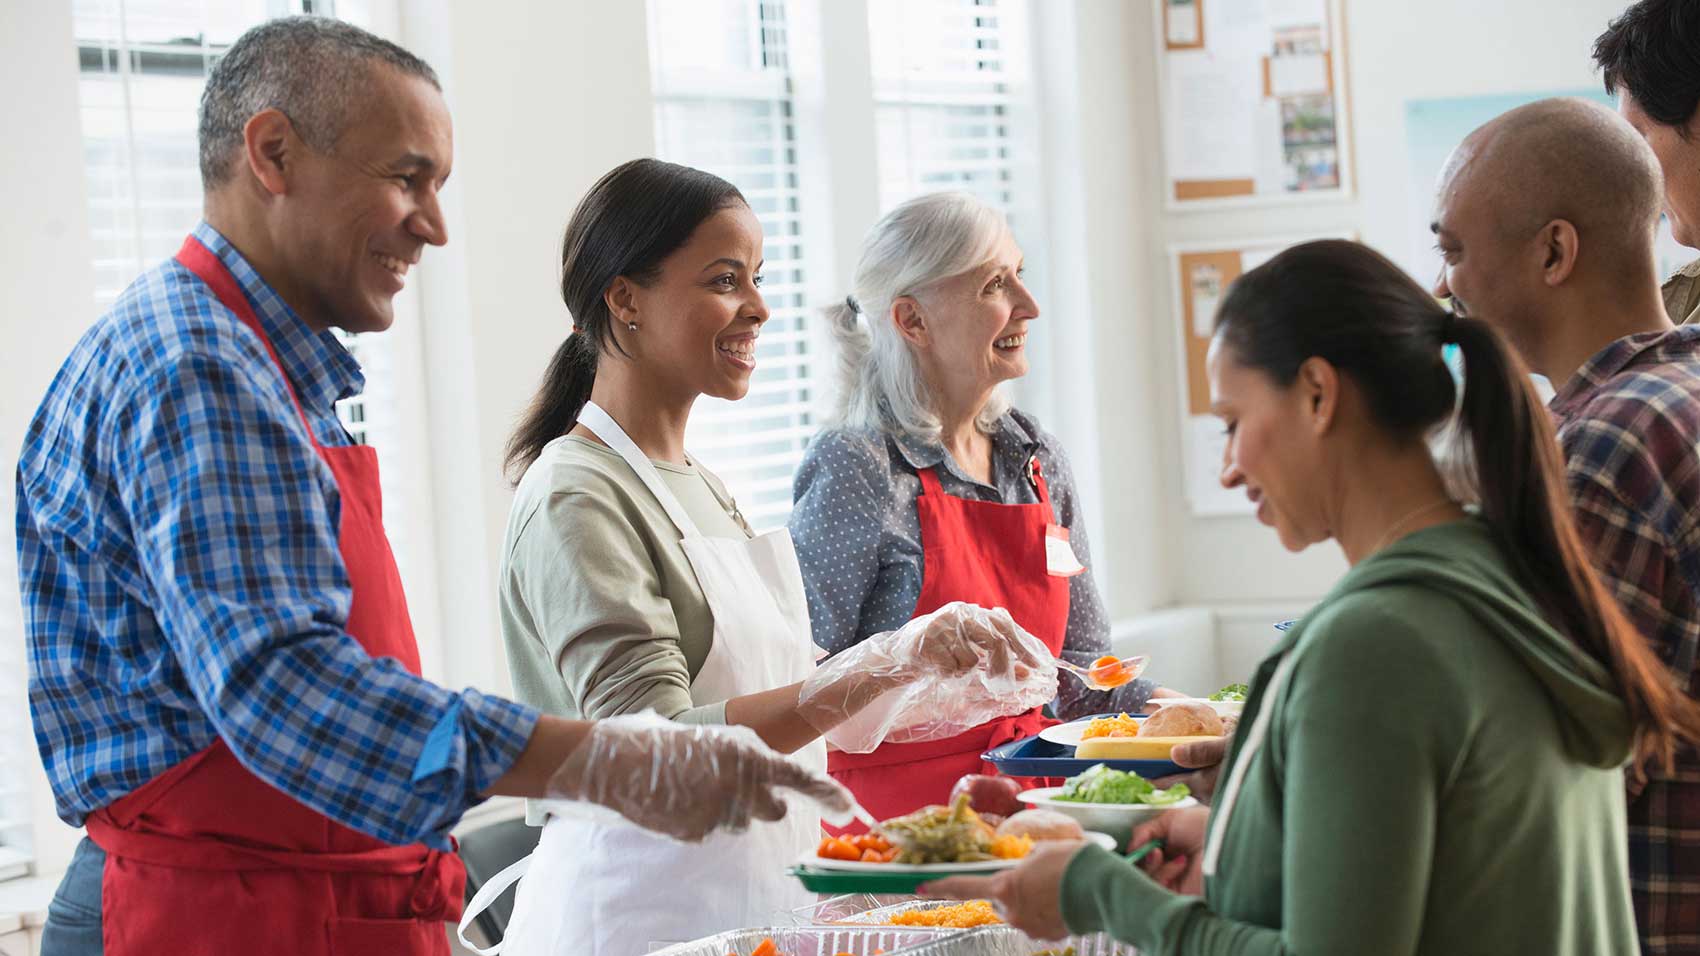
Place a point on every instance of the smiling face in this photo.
(698, 319)
(1679, 160)
(977, 324)
(1488, 269)
(354, 219)
(1273, 450)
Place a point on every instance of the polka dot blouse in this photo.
(858, 538)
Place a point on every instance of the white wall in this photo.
(47, 277)
(1157, 553)
(547, 95)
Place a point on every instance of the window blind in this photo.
(723, 104)
(944, 73)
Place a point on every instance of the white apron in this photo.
(593, 889)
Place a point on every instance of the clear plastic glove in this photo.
(933, 678)
(686, 781)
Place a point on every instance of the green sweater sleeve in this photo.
(1364, 752)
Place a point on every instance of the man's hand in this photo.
(687, 781)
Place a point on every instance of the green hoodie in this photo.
(1442, 774)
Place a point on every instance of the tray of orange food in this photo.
(906, 851)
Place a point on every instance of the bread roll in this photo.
(1190, 719)
(1042, 825)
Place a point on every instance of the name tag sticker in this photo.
(1059, 555)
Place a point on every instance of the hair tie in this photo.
(851, 304)
(1449, 328)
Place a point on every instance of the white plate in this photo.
(1116, 819)
(1069, 734)
(1227, 708)
(984, 866)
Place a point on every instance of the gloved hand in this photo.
(687, 781)
(932, 678)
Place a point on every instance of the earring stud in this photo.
(631, 326)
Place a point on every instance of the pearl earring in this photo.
(631, 326)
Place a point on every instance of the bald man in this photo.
(1545, 218)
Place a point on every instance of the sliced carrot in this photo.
(765, 948)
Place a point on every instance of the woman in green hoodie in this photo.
(1431, 760)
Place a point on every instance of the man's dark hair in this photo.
(1652, 50)
(311, 69)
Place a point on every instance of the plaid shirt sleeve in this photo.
(233, 517)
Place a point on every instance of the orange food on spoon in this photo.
(765, 948)
(1108, 672)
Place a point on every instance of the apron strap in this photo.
(1236, 778)
(485, 896)
(1038, 478)
(200, 261)
(930, 484)
(603, 424)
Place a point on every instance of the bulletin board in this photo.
(1253, 100)
(1199, 277)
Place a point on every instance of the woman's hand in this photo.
(984, 649)
(1203, 756)
(1030, 895)
(1178, 864)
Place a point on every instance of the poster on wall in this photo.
(1200, 275)
(1253, 101)
(1435, 127)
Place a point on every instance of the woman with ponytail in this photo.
(1431, 760)
(631, 582)
(931, 488)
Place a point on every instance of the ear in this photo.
(271, 149)
(621, 299)
(1318, 389)
(1559, 248)
(910, 321)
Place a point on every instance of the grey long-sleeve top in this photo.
(858, 538)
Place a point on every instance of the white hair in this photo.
(912, 248)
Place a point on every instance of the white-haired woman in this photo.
(930, 488)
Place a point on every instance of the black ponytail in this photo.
(1347, 304)
(633, 218)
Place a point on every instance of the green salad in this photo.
(1100, 784)
(1231, 692)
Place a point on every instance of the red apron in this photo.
(209, 859)
(991, 554)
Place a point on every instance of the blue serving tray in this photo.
(1037, 757)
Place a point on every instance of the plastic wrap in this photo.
(935, 677)
(686, 781)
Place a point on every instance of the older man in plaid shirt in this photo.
(1546, 219)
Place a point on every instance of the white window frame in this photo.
(390, 413)
(834, 103)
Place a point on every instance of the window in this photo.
(723, 104)
(943, 73)
(17, 742)
(949, 85)
(144, 63)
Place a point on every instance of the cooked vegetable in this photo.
(864, 848)
(1100, 784)
(1120, 725)
(1232, 692)
(953, 834)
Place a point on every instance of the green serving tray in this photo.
(842, 881)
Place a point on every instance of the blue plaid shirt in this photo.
(177, 545)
